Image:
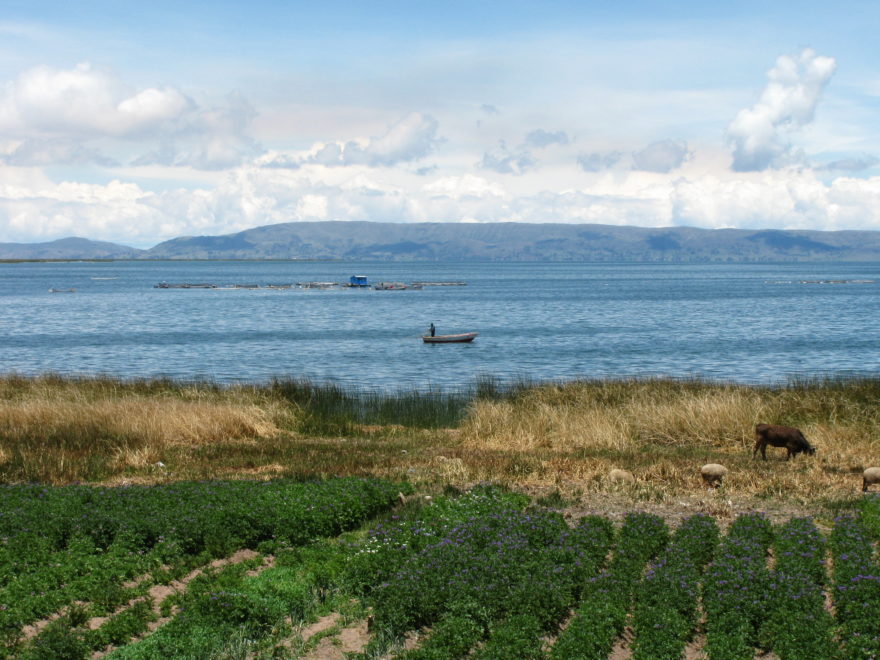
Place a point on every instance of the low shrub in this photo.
(516, 638)
(81, 543)
(607, 599)
(453, 636)
(856, 589)
(123, 627)
(797, 625)
(666, 604)
(735, 589)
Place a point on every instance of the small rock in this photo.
(713, 474)
(621, 476)
(870, 476)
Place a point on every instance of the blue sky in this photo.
(138, 122)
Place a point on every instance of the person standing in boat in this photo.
(433, 330)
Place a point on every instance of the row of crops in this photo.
(483, 575)
(87, 552)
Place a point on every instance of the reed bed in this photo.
(566, 437)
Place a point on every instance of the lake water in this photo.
(744, 323)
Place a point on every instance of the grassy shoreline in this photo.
(562, 437)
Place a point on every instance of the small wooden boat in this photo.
(450, 339)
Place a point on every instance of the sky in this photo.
(138, 122)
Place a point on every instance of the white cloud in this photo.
(34, 208)
(663, 156)
(410, 139)
(54, 114)
(853, 164)
(540, 138)
(596, 162)
(85, 102)
(506, 161)
(44, 152)
(462, 187)
(313, 207)
(111, 212)
(759, 134)
(783, 199)
(211, 139)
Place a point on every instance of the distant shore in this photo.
(482, 241)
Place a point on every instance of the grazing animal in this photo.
(870, 476)
(780, 436)
(712, 474)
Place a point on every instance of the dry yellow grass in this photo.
(563, 437)
(138, 419)
(572, 436)
(580, 416)
(59, 431)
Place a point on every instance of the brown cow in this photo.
(780, 436)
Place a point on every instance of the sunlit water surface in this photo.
(744, 323)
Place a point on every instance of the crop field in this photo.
(362, 568)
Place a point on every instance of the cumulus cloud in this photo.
(55, 113)
(48, 211)
(780, 199)
(411, 138)
(210, 139)
(663, 156)
(37, 152)
(854, 164)
(596, 162)
(32, 207)
(540, 138)
(759, 135)
(519, 160)
(463, 187)
(85, 102)
(505, 161)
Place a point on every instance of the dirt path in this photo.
(724, 509)
(352, 639)
(621, 649)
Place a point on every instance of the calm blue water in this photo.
(746, 323)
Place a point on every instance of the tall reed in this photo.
(331, 408)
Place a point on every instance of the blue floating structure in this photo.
(358, 281)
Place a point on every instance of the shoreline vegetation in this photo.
(560, 438)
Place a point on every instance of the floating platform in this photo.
(395, 286)
(185, 285)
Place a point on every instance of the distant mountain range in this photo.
(510, 241)
(68, 248)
